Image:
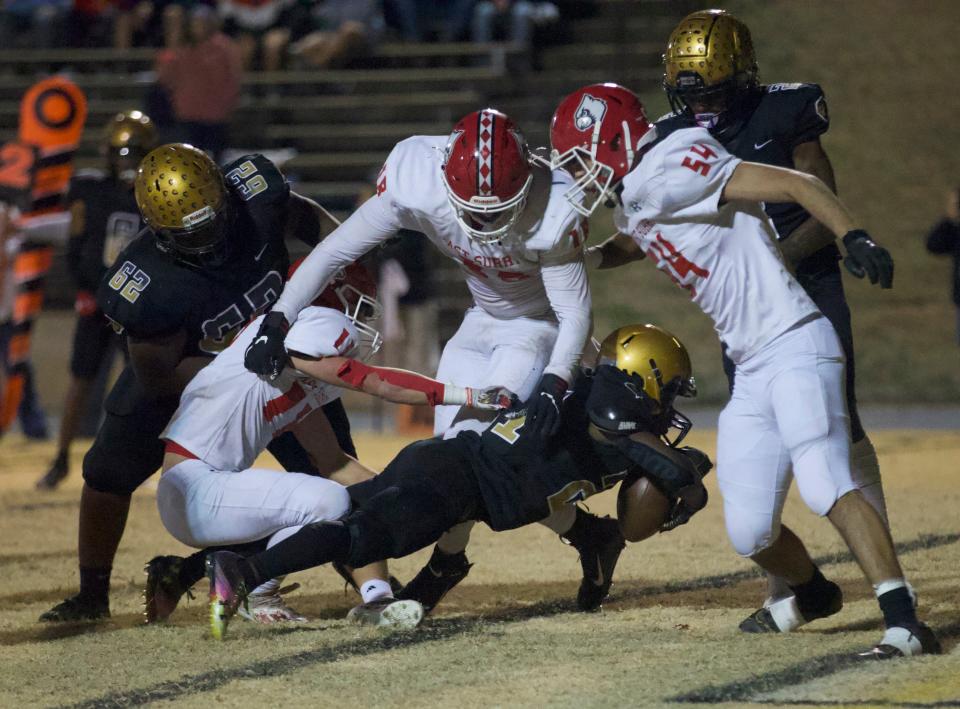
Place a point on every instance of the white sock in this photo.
(890, 585)
(455, 539)
(268, 588)
(865, 471)
(375, 589)
(562, 520)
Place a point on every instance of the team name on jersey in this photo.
(480, 260)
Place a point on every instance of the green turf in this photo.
(888, 69)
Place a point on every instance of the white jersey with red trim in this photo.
(537, 271)
(724, 255)
(228, 415)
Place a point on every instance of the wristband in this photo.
(454, 395)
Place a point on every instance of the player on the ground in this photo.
(104, 220)
(711, 79)
(478, 195)
(697, 212)
(213, 254)
(614, 427)
(210, 495)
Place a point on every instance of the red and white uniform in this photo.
(227, 417)
(788, 405)
(531, 294)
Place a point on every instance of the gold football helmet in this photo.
(127, 137)
(182, 197)
(709, 59)
(641, 369)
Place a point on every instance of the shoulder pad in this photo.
(254, 177)
(412, 172)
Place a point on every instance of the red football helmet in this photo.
(353, 291)
(594, 135)
(487, 174)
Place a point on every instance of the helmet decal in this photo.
(589, 113)
(485, 153)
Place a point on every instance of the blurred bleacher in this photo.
(336, 127)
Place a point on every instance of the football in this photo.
(641, 509)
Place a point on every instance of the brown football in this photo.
(641, 509)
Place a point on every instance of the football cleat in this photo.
(59, 469)
(228, 591)
(164, 589)
(599, 551)
(901, 641)
(388, 613)
(435, 580)
(76, 608)
(265, 604)
(784, 615)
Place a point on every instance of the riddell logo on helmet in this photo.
(204, 214)
(590, 112)
(485, 201)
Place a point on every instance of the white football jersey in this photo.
(228, 415)
(725, 256)
(537, 271)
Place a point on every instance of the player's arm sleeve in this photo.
(810, 118)
(374, 222)
(568, 290)
(943, 238)
(669, 470)
(694, 174)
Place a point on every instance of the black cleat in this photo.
(435, 580)
(905, 641)
(599, 548)
(77, 608)
(59, 469)
(784, 615)
(164, 589)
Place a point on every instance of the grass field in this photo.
(884, 66)
(507, 636)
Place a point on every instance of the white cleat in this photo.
(387, 613)
(266, 605)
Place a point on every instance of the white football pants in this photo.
(486, 351)
(202, 506)
(787, 417)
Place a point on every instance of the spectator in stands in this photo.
(510, 19)
(261, 28)
(418, 20)
(203, 81)
(88, 23)
(332, 32)
(32, 23)
(944, 239)
(133, 23)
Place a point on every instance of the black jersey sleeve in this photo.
(801, 112)
(138, 294)
(261, 190)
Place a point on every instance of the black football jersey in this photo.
(149, 293)
(522, 483)
(111, 221)
(777, 118)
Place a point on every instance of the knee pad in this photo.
(371, 539)
(750, 533)
(334, 502)
(105, 472)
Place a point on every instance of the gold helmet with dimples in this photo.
(183, 199)
(708, 64)
(640, 371)
(127, 138)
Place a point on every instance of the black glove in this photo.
(691, 498)
(867, 258)
(266, 355)
(543, 408)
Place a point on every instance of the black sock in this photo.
(313, 545)
(95, 583)
(815, 594)
(193, 568)
(581, 529)
(897, 608)
(444, 561)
